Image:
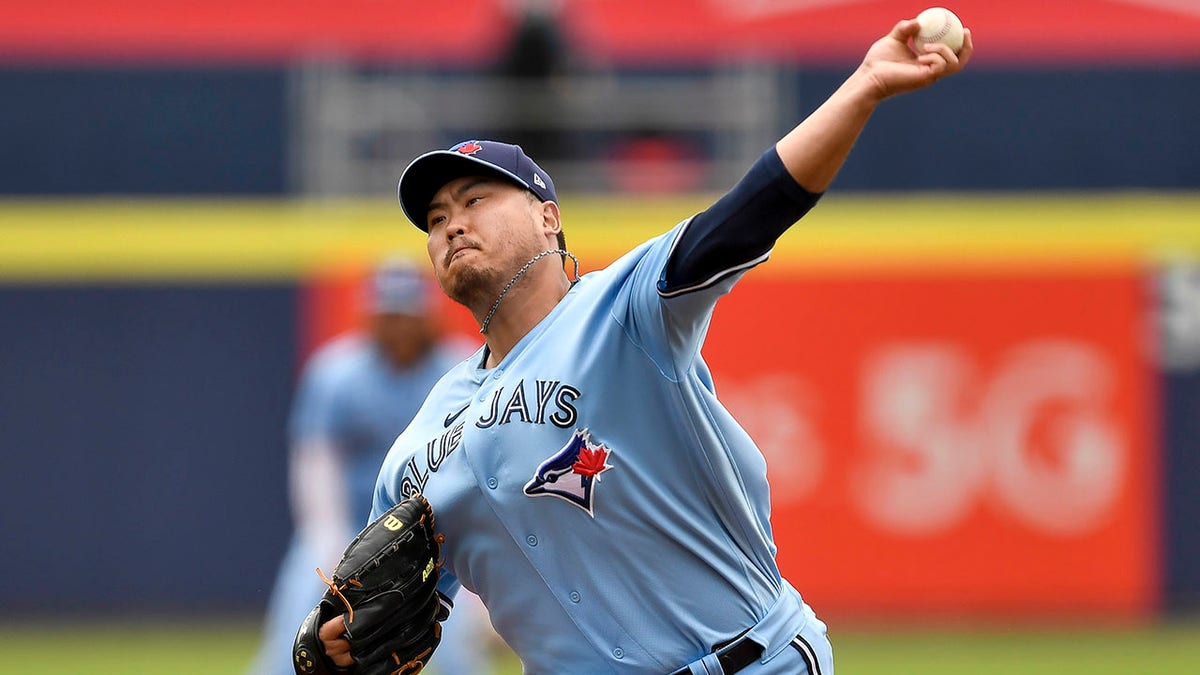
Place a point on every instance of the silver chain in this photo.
(488, 319)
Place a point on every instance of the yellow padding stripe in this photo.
(281, 239)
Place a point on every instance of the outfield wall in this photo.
(961, 397)
(203, 130)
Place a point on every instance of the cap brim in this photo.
(429, 172)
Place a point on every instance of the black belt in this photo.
(733, 654)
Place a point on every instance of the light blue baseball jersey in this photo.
(353, 397)
(350, 396)
(609, 511)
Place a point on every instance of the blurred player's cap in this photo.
(429, 172)
(399, 287)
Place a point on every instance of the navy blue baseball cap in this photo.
(398, 286)
(428, 173)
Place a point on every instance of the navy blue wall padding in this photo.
(1028, 130)
(144, 451)
(1181, 487)
(148, 131)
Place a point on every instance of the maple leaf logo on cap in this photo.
(469, 148)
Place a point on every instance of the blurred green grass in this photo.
(184, 647)
(1165, 649)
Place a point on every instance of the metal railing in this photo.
(353, 130)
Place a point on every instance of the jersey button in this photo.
(619, 653)
(531, 540)
(492, 483)
(575, 597)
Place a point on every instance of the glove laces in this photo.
(414, 666)
(337, 591)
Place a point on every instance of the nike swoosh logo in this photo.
(450, 418)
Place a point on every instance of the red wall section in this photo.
(256, 30)
(947, 444)
(1103, 31)
(1112, 32)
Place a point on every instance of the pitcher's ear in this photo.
(551, 218)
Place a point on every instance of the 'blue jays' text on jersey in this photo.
(604, 505)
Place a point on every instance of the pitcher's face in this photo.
(482, 230)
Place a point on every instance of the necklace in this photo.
(488, 319)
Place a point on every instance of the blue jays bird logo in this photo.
(572, 473)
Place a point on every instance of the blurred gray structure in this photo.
(351, 129)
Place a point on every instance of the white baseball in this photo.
(938, 24)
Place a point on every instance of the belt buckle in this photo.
(733, 654)
(737, 653)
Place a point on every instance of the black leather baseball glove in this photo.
(385, 588)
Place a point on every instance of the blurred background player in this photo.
(356, 394)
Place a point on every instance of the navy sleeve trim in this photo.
(738, 231)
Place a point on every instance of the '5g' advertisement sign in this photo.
(977, 443)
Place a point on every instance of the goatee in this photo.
(473, 287)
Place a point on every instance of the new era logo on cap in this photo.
(428, 173)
